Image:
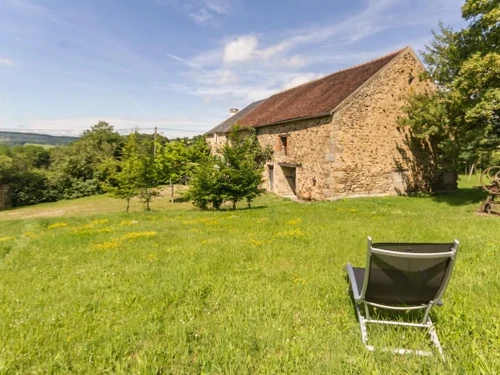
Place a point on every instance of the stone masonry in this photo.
(358, 151)
(358, 148)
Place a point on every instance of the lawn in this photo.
(262, 290)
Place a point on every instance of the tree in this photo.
(462, 118)
(6, 166)
(135, 174)
(207, 185)
(233, 175)
(81, 168)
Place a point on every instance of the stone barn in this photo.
(217, 136)
(338, 136)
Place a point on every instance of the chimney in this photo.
(233, 111)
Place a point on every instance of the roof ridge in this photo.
(395, 53)
(236, 117)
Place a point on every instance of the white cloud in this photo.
(201, 16)
(227, 77)
(297, 61)
(240, 49)
(5, 61)
(273, 50)
(203, 12)
(191, 64)
(253, 66)
(300, 79)
(219, 6)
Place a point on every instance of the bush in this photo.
(234, 175)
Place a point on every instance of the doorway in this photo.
(290, 174)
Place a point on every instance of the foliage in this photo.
(24, 169)
(135, 173)
(463, 117)
(263, 291)
(206, 186)
(178, 159)
(242, 163)
(233, 175)
(98, 162)
(6, 164)
(76, 170)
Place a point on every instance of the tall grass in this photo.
(248, 291)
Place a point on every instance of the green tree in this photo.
(233, 175)
(170, 161)
(81, 168)
(135, 174)
(207, 184)
(462, 118)
(6, 168)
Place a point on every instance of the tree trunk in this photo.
(128, 204)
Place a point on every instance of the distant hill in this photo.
(18, 138)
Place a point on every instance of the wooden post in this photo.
(471, 170)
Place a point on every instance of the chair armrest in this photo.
(352, 280)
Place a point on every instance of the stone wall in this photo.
(377, 156)
(216, 141)
(309, 154)
(360, 150)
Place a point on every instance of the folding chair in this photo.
(402, 276)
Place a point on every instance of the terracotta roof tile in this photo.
(315, 98)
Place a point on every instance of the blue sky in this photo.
(181, 64)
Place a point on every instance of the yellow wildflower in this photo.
(152, 257)
(57, 225)
(6, 238)
(135, 235)
(129, 222)
(294, 221)
(97, 222)
(107, 245)
(299, 280)
(256, 243)
(296, 233)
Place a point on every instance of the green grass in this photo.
(248, 291)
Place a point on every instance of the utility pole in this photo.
(154, 141)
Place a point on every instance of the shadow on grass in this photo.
(461, 197)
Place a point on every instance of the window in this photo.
(284, 144)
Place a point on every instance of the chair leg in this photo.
(429, 325)
(435, 340)
(362, 325)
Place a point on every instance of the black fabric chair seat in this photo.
(392, 287)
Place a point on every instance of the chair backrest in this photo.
(408, 274)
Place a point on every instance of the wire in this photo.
(25, 130)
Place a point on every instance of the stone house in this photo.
(217, 136)
(338, 136)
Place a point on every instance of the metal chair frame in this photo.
(359, 297)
